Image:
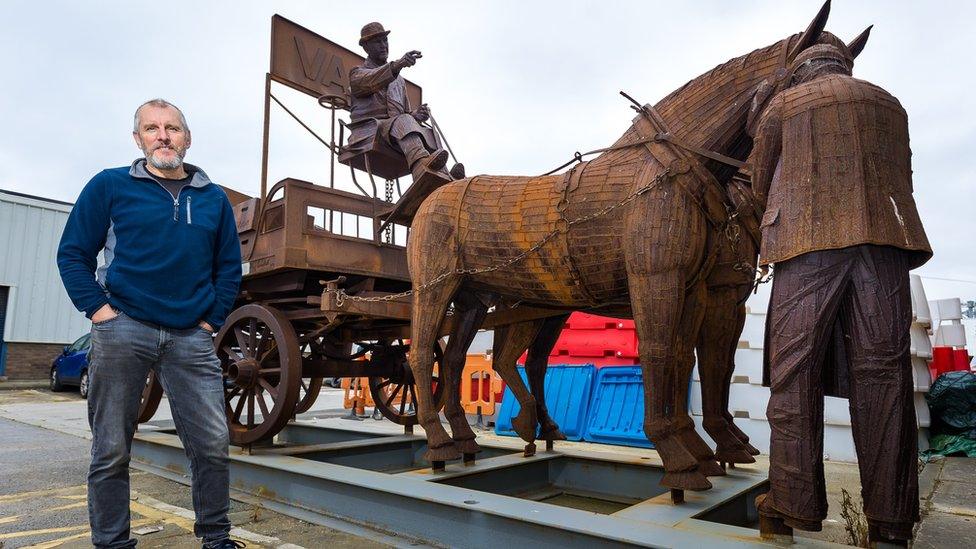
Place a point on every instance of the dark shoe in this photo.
(225, 543)
(457, 172)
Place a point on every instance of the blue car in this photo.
(71, 368)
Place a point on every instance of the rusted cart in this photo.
(287, 331)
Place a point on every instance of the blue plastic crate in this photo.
(567, 399)
(617, 408)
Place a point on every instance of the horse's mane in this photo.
(711, 109)
(735, 64)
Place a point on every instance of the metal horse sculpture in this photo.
(631, 233)
(729, 284)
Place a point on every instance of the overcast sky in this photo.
(516, 86)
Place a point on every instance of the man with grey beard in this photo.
(171, 275)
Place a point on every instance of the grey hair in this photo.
(161, 103)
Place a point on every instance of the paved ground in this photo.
(42, 499)
(948, 489)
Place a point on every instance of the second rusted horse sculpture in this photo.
(633, 232)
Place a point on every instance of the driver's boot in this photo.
(429, 170)
(457, 172)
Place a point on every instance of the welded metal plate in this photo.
(568, 498)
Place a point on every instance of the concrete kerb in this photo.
(22, 384)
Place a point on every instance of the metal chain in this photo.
(389, 198)
(341, 295)
(733, 234)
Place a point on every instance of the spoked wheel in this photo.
(396, 397)
(309, 387)
(259, 354)
(152, 393)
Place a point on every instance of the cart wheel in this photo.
(396, 397)
(151, 395)
(258, 352)
(310, 386)
(308, 392)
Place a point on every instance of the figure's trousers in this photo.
(866, 288)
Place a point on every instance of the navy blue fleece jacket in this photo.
(172, 262)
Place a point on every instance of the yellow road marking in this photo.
(86, 533)
(26, 495)
(161, 516)
(26, 533)
(15, 518)
(60, 541)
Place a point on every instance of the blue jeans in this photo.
(123, 351)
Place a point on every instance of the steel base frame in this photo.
(366, 481)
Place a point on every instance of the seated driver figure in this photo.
(380, 93)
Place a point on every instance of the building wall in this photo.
(38, 308)
(31, 360)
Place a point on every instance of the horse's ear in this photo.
(810, 36)
(858, 43)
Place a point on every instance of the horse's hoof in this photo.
(524, 425)
(468, 446)
(734, 455)
(695, 444)
(674, 454)
(444, 453)
(753, 451)
(710, 468)
(552, 434)
(685, 480)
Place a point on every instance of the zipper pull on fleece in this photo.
(189, 216)
(176, 209)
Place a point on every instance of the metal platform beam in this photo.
(552, 499)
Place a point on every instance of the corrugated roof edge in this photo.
(39, 201)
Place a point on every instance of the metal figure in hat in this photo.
(379, 95)
(842, 228)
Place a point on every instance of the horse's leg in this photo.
(657, 300)
(535, 367)
(469, 314)
(691, 320)
(740, 321)
(716, 360)
(429, 308)
(510, 341)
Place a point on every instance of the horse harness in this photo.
(711, 198)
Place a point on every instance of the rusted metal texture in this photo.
(846, 171)
(313, 64)
(388, 132)
(635, 229)
(290, 236)
(832, 153)
(866, 289)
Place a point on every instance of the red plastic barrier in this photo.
(960, 360)
(942, 361)
(597, 340)
(597, 343)
(584, 321)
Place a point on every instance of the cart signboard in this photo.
(313, 64)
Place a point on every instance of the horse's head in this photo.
(714, 110)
